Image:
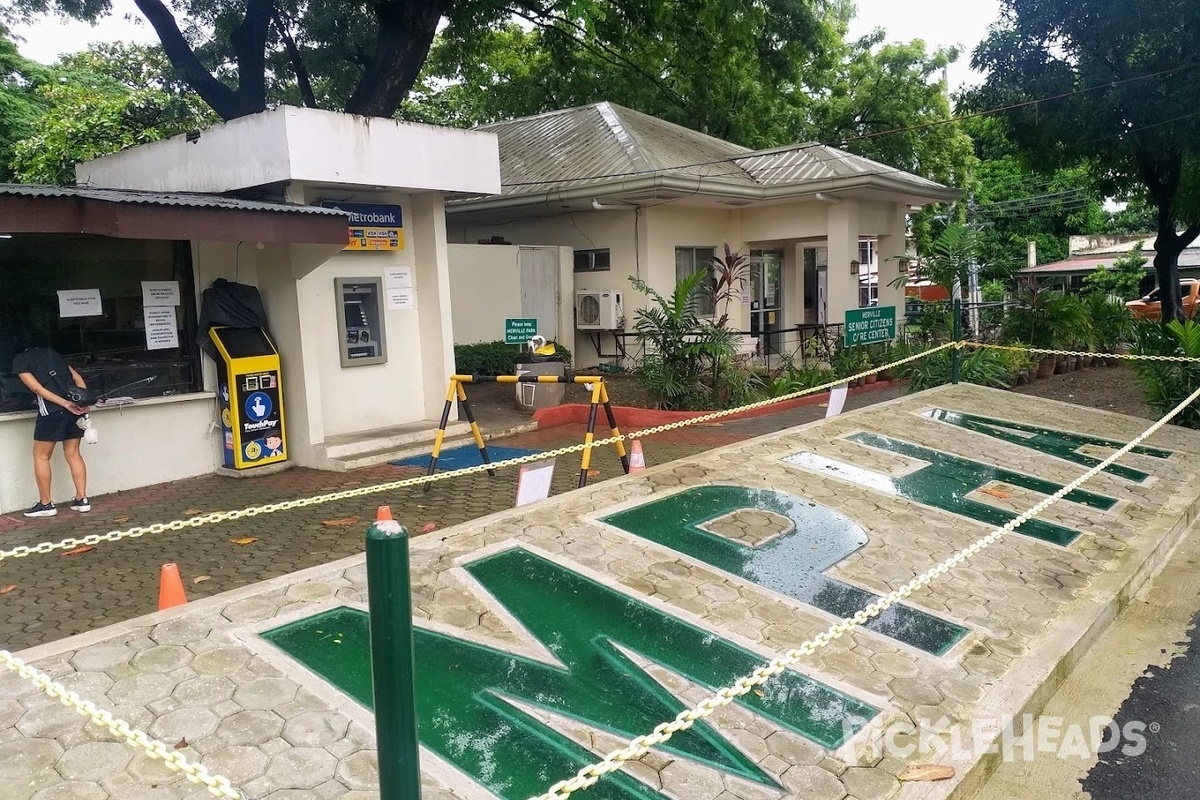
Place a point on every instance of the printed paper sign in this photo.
(837, 399)
(79, 303)
(161, 330)
(398, 277)
(160, 293)
(533, 482)
(401, 299)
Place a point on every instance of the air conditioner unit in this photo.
(598, 310)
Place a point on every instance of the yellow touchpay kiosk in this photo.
(251, 398)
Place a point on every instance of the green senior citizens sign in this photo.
(866, 325)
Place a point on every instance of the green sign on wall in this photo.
(519, 331)
(867, 325)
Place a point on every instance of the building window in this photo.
(592, 260)
(125, 318)
(690, 260)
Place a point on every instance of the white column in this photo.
(891, 249)
(843, 248)
(431, 266)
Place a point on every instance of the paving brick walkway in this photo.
(58, 595)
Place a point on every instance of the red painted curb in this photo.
(629, 417)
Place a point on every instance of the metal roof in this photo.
(606, 144)
(1083, 264)
(161, 199)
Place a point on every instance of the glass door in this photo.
(766, 298)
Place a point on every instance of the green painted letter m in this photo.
(474, 701)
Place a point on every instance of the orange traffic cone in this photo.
(170, 588)
(637, 461)
(383, 513)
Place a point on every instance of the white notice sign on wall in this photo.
(160, 293)
(162, 332)
(398, 277)
(79, 303)
(400, 299)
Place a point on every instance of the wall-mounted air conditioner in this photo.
(598, 310)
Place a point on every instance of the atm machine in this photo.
(251, 397)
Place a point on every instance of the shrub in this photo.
(1166, 383)
(495, 358)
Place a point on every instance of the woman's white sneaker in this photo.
(82, 506)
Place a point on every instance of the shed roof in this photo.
(609, 150)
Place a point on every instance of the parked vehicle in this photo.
(1150, 306)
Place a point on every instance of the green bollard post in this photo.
(389, 599)
(956, 335)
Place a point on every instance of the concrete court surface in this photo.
(606, 609)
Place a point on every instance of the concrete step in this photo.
(340, 448)
(457, 435)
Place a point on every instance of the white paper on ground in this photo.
(533, 482)
(837, 399)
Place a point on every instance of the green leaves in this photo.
(1165, 384)
(105, 99)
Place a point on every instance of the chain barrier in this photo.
(70, 543)
(173, 759)
(1046, 352)
(615, 760)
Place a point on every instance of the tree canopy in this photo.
(98, 102)
(1112, 84)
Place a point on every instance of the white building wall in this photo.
(485, 289)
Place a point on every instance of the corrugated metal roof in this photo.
(1188, 259)
(161, 199)
(605, 143)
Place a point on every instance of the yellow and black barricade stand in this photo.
(599, 398)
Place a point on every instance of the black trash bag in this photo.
(228, 304)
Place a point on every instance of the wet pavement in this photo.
(60, 595)
(577, 586)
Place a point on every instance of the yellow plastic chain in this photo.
(196, 773)
(94, 539)
(1045, 352)
(589, 775)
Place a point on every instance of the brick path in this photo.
(58, 596)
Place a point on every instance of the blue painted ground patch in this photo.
(465, 456)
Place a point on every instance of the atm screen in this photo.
(354, 315)
(245, 342)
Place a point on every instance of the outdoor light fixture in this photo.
(904, 265)
(853, 267)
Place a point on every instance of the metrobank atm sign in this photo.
(372, 227)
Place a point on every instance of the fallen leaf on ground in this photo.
(593, 473)
(422, 506)
(244, 540)
(760, 693)
(191, 512)
(83, 548)
(182, 743)
(927, 772)
(200, 578)
(1000, 493)
(121, 520)
(432, 526)
(341, 522)
(12, 587)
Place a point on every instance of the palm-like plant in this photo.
(680, 347)
(1166, 383)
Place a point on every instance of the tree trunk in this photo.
(405, 35)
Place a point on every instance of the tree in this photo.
(1123, 281)
(1015, 203)
(105, 99)
(21, 105)
(239, 54)
(1112, 83)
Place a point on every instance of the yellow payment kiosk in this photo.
(251, 398)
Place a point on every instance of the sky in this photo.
(939, 22)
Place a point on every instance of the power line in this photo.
(868, 136)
